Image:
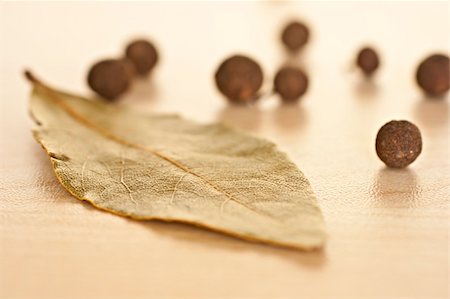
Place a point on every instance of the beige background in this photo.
(388, 229)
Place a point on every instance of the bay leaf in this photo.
(168, 168)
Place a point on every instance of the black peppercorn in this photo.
(239, 78)
(109, 78)
(398, 143)
(368, 61)
(143, 54)
(433, 74)
(295, 35)
(290, 83)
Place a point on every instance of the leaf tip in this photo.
(30, 77)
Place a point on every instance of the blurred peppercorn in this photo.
(143, 54)
(239, 78)
(109, 78)
(290, 83)
(367, 60)
(295, 35)
(433, 74)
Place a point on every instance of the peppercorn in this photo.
(368, 61)
(398, 143)
(143, 54)
(295, 35)
(239, 78)
(109, 78)
(290, 83)
(433, 74)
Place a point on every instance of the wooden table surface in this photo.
(388, 229)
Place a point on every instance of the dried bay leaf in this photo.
(167, 168)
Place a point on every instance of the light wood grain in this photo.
(388, 230)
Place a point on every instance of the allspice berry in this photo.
(109, 78)
(433, 74)
(239, 78)
(143, 55)
(398, 143)
(290, 83)
(367, 60)
(295, 35)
